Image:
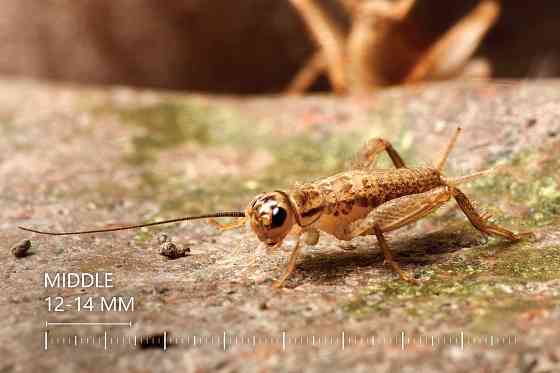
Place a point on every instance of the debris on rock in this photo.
(21, 249)
(173, 251)
(263, 306)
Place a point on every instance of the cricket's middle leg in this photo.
(398, 213)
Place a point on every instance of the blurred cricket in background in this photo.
(293, 46)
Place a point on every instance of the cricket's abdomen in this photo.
(380, 186)
(349, 196)
(369, 189)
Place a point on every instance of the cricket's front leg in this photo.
(291, 265)
(225, 227)
(481, 223)
(310, 237)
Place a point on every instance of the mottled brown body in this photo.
(338, 200)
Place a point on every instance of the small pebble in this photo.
(172, 251)
(263, 306)
(21, 249)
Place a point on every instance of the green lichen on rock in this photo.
(526, 263)
(166, 125)
(474, 291)
(530, 182)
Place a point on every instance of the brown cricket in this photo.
(381, 45)
(364, 200)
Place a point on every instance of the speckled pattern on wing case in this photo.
(351, 195)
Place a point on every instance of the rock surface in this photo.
(74, 158)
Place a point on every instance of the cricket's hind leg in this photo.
(367, 156)
(482, 224)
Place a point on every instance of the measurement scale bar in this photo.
(129, 324)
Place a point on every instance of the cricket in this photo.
(364, 200)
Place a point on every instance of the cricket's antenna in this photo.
(220, 214)
(450, 146)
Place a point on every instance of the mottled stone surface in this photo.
(74, 158)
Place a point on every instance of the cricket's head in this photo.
(272, 217)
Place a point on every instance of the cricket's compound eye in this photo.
(271, 217)
(279, 215)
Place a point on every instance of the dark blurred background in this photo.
(229, 46)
